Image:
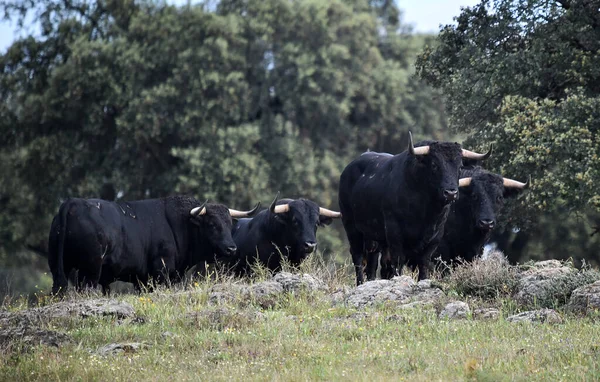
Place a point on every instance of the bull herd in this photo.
(396, 210)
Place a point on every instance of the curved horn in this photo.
(199, 210)
(464, 182)
(474, 155)
(329, 213)
(423, 150)
(243, 214)
(274, 203)
(510, 183)
(281, 208)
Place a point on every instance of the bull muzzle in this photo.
(309, 247)
(450, 195)
(486, 224)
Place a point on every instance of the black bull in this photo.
(133, 241)
(286, 229)
(399, 204)
(473, 217)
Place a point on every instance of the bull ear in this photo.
(274, 203)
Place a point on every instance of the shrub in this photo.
(491, 277)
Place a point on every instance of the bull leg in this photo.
(424, 261)
(387, 268)
(371, 269)
(357, 259)
(356, 249)
(395, 258)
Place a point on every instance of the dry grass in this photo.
(304, 337)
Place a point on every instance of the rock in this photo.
(266, 293)
(31, 336)
(455, 310)
(338, 296)
(542, 282)
(84, 308)
(294, 283)
(541, 315)
(486, 314)
(400, 290)
(168, 334)
(585, 299)
(127, 347)
(227, 293)
(221, 318)
(416, 304)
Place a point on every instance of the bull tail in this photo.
(61, 283)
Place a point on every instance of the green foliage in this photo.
(525, 75)
(230, 101)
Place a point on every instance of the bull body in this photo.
(287, 229)
(133, 241)
(473, 217)
(398, 205)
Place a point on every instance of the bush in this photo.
(488, 278)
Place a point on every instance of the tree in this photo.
(230, 100)
(526, 76)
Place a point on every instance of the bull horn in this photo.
(274, 203)
(477, 156)
(197, 211)
(329, 213)
(464, 182)
(511, 183)
(243, 214)
(423, 150)
(281, 208)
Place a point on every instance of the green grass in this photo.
(304, 337)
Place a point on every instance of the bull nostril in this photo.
(451, 194)
(487, 223)
(231, 250)
(309, 246)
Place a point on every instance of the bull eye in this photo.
(434, 166)
(499, 199)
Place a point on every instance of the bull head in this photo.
(424, 150)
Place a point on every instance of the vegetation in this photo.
(303, 336)
(229, 100)
(524, 75)
(235, 100)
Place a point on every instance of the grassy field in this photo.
(303, 336)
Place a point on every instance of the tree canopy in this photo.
(229, 100)
(525, 74)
